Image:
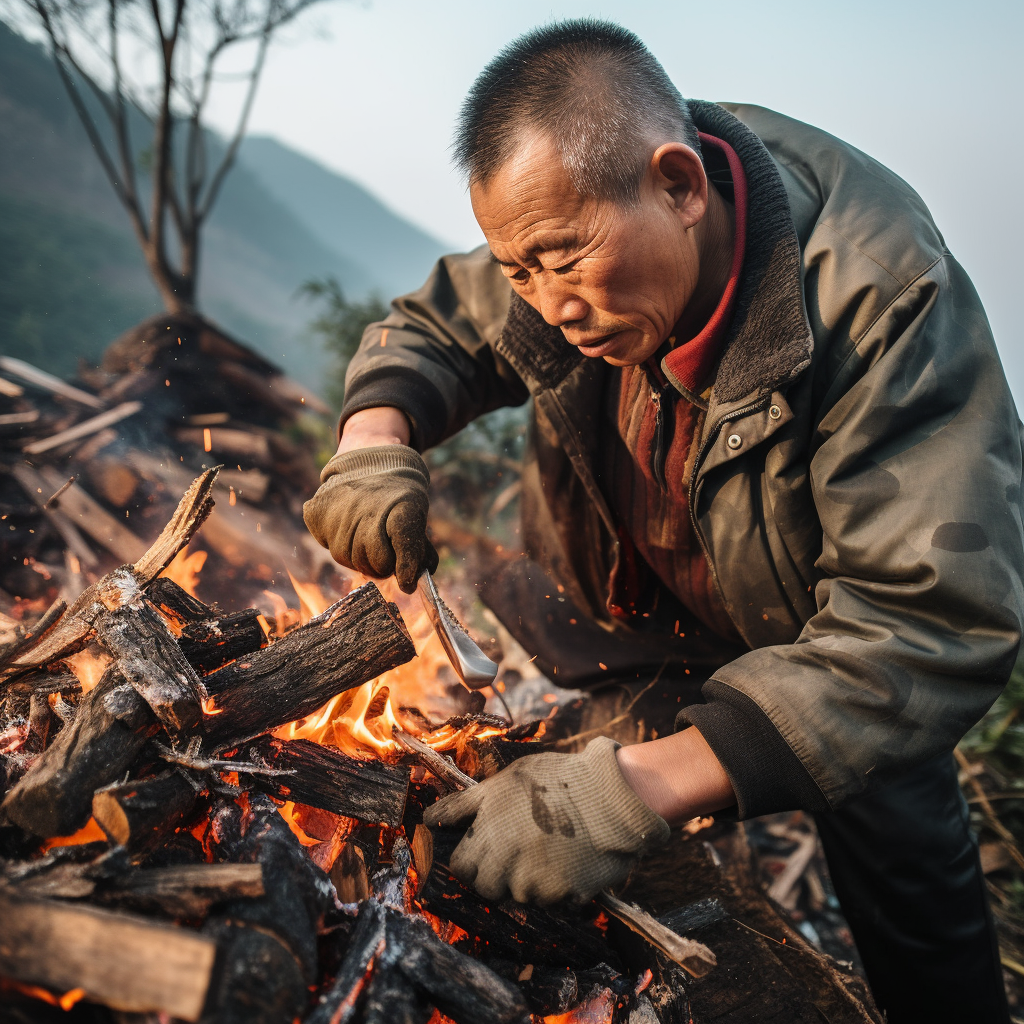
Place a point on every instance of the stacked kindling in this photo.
(173, 396)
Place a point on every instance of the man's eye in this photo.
(521, 275)
(566, 268)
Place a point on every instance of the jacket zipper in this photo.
(695, 479)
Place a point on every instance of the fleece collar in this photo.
(769, 341)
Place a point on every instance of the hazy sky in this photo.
(934, 90)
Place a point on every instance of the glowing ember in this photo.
(598, 1010)
(90, 832)
(89, 665)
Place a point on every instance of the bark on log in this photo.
(139, 815)
(93, 750)
(347, 645)
(149, 657)
(370, 791)
(75, 628)
(124, 961)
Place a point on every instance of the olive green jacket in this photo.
(857, 483)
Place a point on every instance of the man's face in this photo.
(614, 278)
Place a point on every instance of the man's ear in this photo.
(676, 171)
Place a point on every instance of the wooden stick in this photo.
(9, 389)
(42, 379)
(444, 769)
(694, 957)
(126, 962)
(139, 815)
(83, 429)
(14, 419)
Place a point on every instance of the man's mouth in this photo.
(599, 346)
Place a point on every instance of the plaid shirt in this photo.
(652, 418)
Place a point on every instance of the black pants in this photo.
(905, 867)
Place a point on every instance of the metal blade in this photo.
(471, 665)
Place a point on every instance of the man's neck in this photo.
(715, 239)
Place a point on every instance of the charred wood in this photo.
(370, 791)
(269, 942)
(356, 639)
(186, 890)
(93, 750)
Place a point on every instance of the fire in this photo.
(89, 665)
(311, 599)
(598, 1010)
(90, 832)
(184, 570)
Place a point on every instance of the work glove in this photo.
(550, 826)
(371, 513)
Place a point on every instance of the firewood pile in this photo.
(172, 397)
(168, 852)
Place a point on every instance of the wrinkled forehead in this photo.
(531, 195)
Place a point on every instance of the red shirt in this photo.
(651, 428)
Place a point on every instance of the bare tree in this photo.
(176, 49)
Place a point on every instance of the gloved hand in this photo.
(371, 513)
(550, 826)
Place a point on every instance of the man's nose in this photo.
(557, 303)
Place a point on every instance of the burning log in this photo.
(140, 815)
(353, 641)
(125, 961)
(370, 791)
(95, 749)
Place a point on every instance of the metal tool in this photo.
(471, 665)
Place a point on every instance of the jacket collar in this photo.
(769, 341)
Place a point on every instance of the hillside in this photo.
(71, 275)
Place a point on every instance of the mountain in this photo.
(72, 276)
(343, 216)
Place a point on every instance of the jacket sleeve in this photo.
(915, 472)
(433, 357)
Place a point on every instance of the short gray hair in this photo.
(593, 88)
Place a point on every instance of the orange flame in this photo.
(184, 570)
(90, 832)
(311, 599)
(89, 665)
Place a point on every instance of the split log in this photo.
(75, 628)
(209, 645)
(126, 962)
(370, 791)
(96, 748)
(147, 654)
(353, 641)
(139, 815)
(177, 603)
(268, 944)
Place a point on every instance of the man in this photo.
(772, 443)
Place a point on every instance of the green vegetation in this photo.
(68, 286)
(993, 755)
(340, 327)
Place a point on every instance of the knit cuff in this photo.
(383, 458)
(765, 773)
(401, 388)
(633, 815)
